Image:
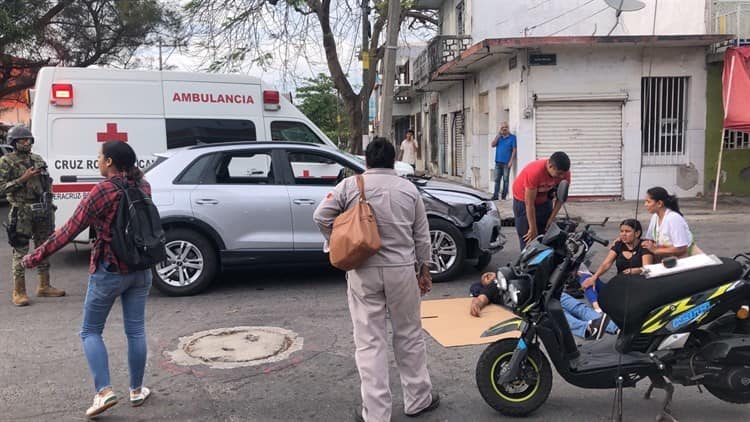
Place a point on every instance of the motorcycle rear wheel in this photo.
(730, 396)
(521, 396)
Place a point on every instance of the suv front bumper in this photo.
(487, 231)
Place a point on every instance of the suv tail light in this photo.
(62, 94)
(271, 100)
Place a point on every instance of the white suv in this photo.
(246, 204)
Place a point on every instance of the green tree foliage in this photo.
(36, 33)
(322, 105)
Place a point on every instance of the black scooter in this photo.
(691, 330)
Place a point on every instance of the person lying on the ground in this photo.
(583, 320)
(628, 255)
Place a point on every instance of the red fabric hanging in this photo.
(736, 89)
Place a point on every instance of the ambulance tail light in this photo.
(271, 100)
(62, 95)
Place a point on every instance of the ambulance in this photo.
(74, 110)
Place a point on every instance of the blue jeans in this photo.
(104, 287)
(592, 293)
(502, 172)
(543, 211)
(580, 315)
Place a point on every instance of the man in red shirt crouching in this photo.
(532, 199)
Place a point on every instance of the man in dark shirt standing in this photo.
(505, 153)
(532, 204)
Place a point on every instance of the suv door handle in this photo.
(304, 201)
(206, 201)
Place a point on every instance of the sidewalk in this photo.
(694, 209)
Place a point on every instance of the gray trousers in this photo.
(371, 292)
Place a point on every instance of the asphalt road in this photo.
(44, 377)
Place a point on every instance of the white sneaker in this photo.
(101, 403)
(138, 399)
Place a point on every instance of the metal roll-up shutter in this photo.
(458, 144)
(590, 132)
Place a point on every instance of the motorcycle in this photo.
(693, 329)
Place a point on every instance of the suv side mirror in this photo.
(562, 191)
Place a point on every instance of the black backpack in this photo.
(138, 239)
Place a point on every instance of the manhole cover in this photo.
(236, 346)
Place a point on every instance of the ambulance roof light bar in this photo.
(271, 101)
(62, 95)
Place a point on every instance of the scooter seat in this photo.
(628, 299)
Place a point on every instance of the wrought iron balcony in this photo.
(439, 51)
(732, 17)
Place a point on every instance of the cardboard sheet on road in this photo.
(448, 321)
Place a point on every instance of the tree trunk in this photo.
(354, 108)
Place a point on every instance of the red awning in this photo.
(736, 89)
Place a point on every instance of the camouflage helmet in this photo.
(19, 132)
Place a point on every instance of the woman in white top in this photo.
(668, 233)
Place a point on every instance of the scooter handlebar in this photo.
(598, 239)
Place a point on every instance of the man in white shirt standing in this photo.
(409, 148)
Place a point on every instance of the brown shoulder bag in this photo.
(355, 236)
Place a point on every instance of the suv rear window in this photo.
(189, 132)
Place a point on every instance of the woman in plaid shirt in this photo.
(108, 277)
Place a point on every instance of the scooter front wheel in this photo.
(522, 395)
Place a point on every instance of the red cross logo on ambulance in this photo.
(111, 134)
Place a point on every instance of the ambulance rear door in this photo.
(104, 105)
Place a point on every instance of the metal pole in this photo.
(721, 141)
(389, 67)
(365, 67)
(159, 53)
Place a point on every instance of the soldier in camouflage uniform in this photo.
(26, 184)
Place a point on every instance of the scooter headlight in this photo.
(503, 275)
(518, 293)
(513, 293)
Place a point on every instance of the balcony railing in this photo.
(732, 17)
(439, 51)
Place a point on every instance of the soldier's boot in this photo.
(45, 290)
(19, 292)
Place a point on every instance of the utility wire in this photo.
(617, 22)
(617, 17)
(558, 16)
(578, 21)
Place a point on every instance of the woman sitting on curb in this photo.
(668, 233)
(628, 254)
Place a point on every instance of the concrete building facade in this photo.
(628, 103)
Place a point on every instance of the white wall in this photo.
(490, 79)
(539, 18)
(597, 70)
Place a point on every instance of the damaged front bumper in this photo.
(487, 231)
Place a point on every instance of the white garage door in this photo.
(590, 132)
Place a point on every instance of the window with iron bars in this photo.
(734, 139)
(664, 118)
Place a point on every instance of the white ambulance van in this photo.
(75, 109)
